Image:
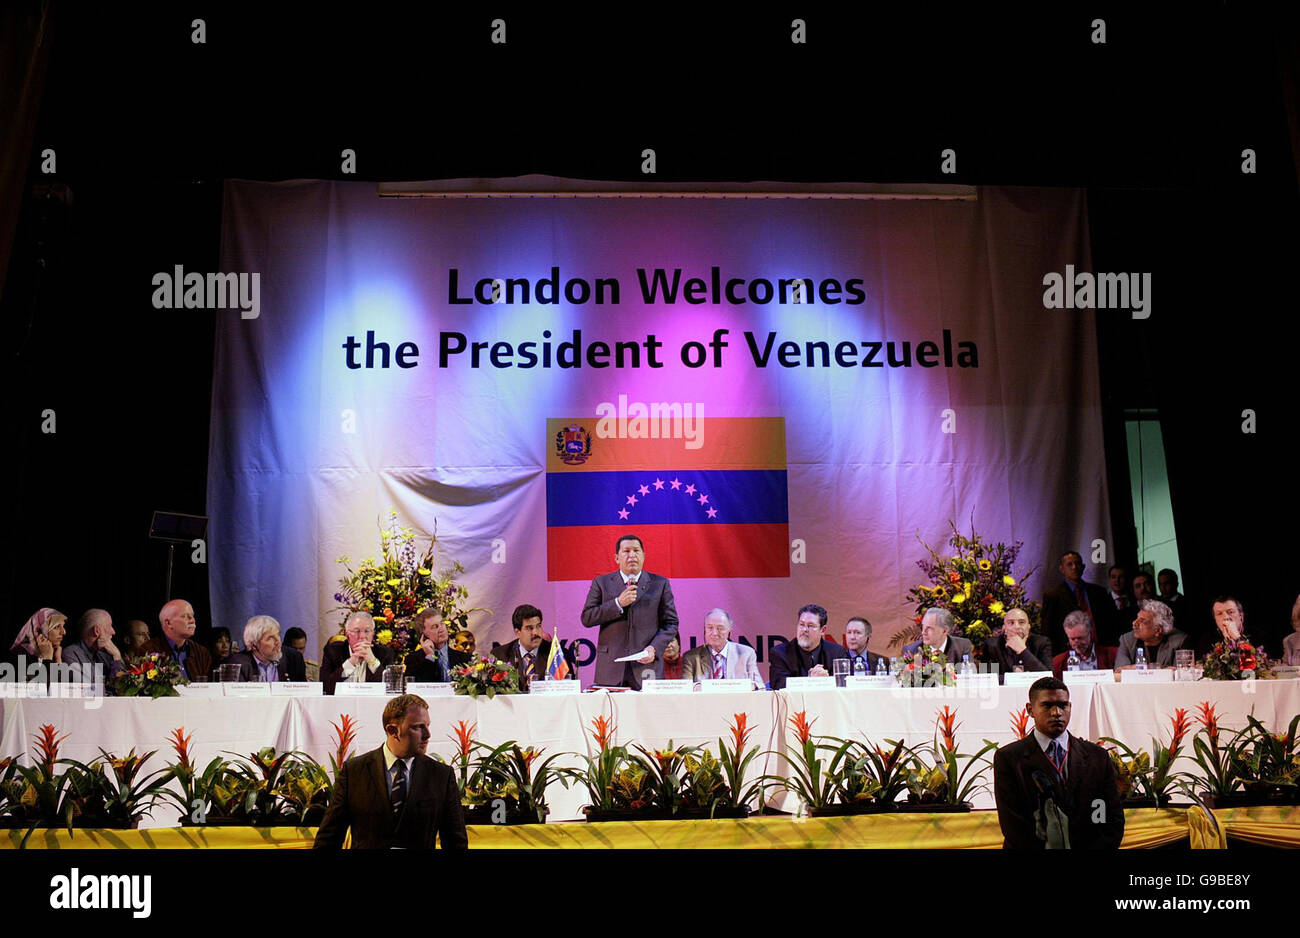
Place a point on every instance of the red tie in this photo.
(719, 666)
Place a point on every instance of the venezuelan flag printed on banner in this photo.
(718, 510)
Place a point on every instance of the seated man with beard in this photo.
(264, 658)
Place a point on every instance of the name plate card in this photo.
(200, 690)
(22, 689)
(1106, 676)
(353, 689)
(980, 679)
(555, 688)
(660, 686)
(810, 683)
(1023, 678)
(430, 688)
(297, 689)
(1149, 676)
(76, 689)
(859, 681)
(727, 685)
(246, 689)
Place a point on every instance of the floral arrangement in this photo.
(733, 761)
(154, 675)
(977, 584)
(399, 584)
(486, 675)
(199, 796)
(1020, 723)
(1235, 661)
(816, 782)
(1149, 776)
(926, 667)
(507, 772)
(607, 770)
(938, 775)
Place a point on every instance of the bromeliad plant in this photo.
(1214, 754)
(118, 800)
(1143, 776)
(734, 761)
(874, 775)
(1020, 723)
(1267, 762)
(605, 771)
(937, 775)
(256, 783)
(665, 773)
(815, 781)
(200, 798)
(345, 734)
(40, 798)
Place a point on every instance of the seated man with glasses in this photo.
(357, 659)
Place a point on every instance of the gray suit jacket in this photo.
(697, 664)
(957, 646)
(651, 620)
(1164, 654)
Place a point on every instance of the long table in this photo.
(562, 723)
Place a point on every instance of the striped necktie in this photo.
(528, 664)
(719, 665)
(397, 795)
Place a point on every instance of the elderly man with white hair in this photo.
(1154, 632)
(936, 631)
(719, 657)
(264, 657)
(357, 659)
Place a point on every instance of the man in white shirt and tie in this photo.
(719, 657)
(857, 632)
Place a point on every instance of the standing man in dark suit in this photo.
(809, 655)
(177, 618)
(1076, 593)
(357, 659)
(432, 660)
(634, 611)
(530, 650)
(1055, 790)
(264, 658)
(396, 797)
(1016, 649)
(936, 631)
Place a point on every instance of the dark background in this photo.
(146, 125)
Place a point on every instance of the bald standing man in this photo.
(177, 641)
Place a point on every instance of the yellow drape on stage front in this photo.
(1273, 826)
(1144, 828)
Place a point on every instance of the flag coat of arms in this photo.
(717, 510)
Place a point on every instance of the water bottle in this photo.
(1141, 662)
(1072, 663)
(882, 665)
(966, 665)
(859, 667)
(895, 665)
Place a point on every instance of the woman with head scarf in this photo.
(40, 638)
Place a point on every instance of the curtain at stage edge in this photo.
(306, 453)
(1271, 826)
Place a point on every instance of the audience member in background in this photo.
(264, 657)
(936, 631)
(40, 639)
(719, 657)
(857, 632)
(1125, 606)
(1144, 586)
(137, 634)
(95, 646)
(1291, 644)
(1073, 593)
(177, 641)
(531, 649)
(358, 658)
(1230, 625)
(1016, 649)
(1168, 582)
(673, 667)
(432, 660)
(220, 646)
(810, 654)
(1154, 630)
(465, 643)
(1092, 657)
(296, 639)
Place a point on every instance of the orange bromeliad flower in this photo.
(603, 730)
(1209, 720)
(1020, 723)
(181, 743)
(1180, 725)
(740, 730)
(529, 755)
(464, 738)
(345, 734)
(947, 728)
(802, 728)
(47, 746)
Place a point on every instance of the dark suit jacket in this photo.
(957, 647)
(1058, 602)
(198, 660)
(361, 802)
(1037, 655)
(1105, 659)
(291, 666)
(650, 621)
(510, 654)
(420, 667)
(1089, 776)
(335, 653)
(788, 662)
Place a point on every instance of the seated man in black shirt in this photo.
(810, 654)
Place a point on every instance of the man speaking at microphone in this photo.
(635, 612)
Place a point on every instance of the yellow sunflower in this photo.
(1009, 580)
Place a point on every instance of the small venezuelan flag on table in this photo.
(720, 510)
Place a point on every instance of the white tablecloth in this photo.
(562, 723)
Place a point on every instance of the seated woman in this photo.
(673, 660)
(40, 639)
(221, 646)
(1291, 644)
